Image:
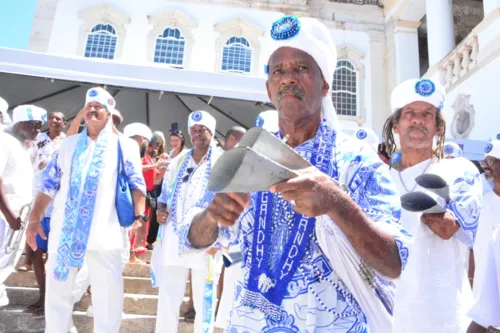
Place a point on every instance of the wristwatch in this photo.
(143, 217)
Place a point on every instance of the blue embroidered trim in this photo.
(361, 134)
(80, 205)
(498, 136)
(285, 28)
(30, 113)
(196, 116)
(425, 87)
(488, 148)
(448, 149)
(266, 288)
(259, 121)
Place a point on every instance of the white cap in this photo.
(117, 113)
(100, 95)
(138, 129)
(28, 113)
(367, 136)
(492, 149)
(268, 120)
(414, 90)
(313, 37)
(4, 106)
(202, 118)
(451, 149)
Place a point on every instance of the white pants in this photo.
(232, 274)
(6, 263)
(105, 271)
(172, 287)
(82, 280)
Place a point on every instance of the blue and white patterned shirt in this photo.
(317, 298)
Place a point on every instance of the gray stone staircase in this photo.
(140, 304)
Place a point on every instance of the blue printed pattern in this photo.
(466, 193)
(50, 178)
(79, 206)
(369, 182)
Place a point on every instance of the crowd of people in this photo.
(331, 249)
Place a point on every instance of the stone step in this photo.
(13, 320)
(146, 256)
(132, 270)
(132, 303)
(133, 285)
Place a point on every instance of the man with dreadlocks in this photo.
(433, 294)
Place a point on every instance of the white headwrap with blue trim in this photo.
(313, 37)
(451, 149)
(418, 90)
(28, 113)
(202, 118)
(268, 120)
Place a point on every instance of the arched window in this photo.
(169, 47)
(345, 89)
(236, 55)
(101, 42)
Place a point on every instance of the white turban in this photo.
(4, 106)
(367, 136)
(268, 120)
(202, 118)
(492, 149)
(451, 149)
(117, 113)
(418, 90)
(313, 37)
(28, 113)
(138, 129)
(100, 95)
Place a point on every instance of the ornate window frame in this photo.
(172, 19)
(238, 27)
(356, 58)
(92, 16)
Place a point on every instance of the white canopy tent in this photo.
(154, 94)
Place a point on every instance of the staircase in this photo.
(140, 304)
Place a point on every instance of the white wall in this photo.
(485, 97)
(64, 37)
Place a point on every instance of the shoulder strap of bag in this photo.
(121, 163)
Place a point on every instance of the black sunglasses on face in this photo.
(189, 172)
(489, 163)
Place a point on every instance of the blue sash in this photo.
(80, 205)
(267, 287)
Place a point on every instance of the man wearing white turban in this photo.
(82, 180)
(433, 292)
(16, 183)
(452, 150)
(185, 183)
(319, 250)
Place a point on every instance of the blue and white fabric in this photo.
(317, 296)
(414, 90)
(81, 178)
(452, 150)
(202, 118)
(435, 283)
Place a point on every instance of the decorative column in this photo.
(440, 31)
(490, 5)
(378, 80)
(406, 48)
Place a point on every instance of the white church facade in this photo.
(223, 42)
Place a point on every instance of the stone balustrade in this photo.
(460, 61)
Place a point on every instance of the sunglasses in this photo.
(189, 172)
(488, 163)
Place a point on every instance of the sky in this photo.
(16, 19)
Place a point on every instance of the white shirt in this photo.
(43, 150)
(105, 232)
(189, 193)
(16, 172)
(433, 293)
(489, 220)
(486, 310)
